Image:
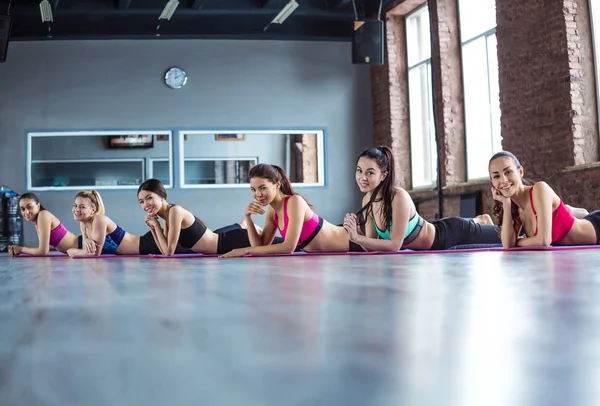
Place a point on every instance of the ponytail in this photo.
(384, 158)
(33, 197)
(275, 174)
(96, 200)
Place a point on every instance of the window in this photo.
(481, 89)
(423, 148)
(595, 14)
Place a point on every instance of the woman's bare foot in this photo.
(483, 219)
(244, 225)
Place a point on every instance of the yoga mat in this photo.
(194, 255)
(49, 255)
(110, 256)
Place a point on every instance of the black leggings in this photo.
(234, 236)
(594, 218)
(148, 246)
(452, 231)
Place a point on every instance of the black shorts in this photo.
(148, 246)
(236, 237)
(594, 218)
(453, 231)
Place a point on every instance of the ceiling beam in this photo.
(270, 3)
(124, 4)
(339, 4)
(196, 4)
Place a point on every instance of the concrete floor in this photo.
(489, 328)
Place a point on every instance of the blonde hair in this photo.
(96, 200)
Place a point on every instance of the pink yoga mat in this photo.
(49, 255)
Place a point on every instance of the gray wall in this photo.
(101, 85)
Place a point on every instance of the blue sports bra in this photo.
(415, 224)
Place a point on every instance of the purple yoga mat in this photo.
(52, 254)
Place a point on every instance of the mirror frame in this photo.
(38, 134)
(320, 156)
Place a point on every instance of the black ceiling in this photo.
(223, 19)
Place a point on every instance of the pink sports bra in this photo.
(57, 234)
(562, 220)
(310, 227)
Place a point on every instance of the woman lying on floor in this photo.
(183, 228)
(50, 231)
(536, 209)
(288, 212)
(385, 205)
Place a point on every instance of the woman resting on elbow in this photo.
(288, 212)
(50, 231)
(182, 228)
(535, 209)
(98, 230)
(385, 205)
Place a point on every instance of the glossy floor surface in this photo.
(484, 328)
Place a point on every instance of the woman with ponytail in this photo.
(522, 205)
(98, 230)
(291, 214)
(386, 205)
(51, 232)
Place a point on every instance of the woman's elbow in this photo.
(546, 242)
(287, 249)
(170, 251)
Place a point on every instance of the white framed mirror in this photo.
(222, 158)
(98, 159)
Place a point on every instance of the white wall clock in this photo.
(175, 78)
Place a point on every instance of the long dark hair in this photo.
(33, 197)
(498, 209)
(156, 186)
(385, 161)
(274, 174)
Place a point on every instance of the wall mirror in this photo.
(222, 159)
(98, 159)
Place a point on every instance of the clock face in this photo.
(175, 78)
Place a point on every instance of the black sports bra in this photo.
(188, 237)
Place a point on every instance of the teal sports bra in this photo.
(412, 231)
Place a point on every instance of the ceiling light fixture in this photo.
(169, 9)
(284, 13)
(46, 11)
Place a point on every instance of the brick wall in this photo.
(390, 99)
(547, 99)
(547, 94)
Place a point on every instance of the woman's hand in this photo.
(152, 221)
(89, 246)
(15, 250)
(351, 226)
(253, 208)
(236, 253)
(498, 196)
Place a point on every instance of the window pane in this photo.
(476, 17)
(477, 108)
(418, 36)
(492, 50)
(595, 11)
(422, 145)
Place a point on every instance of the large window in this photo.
(481, 90)
(595, 12)
(422, 131)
